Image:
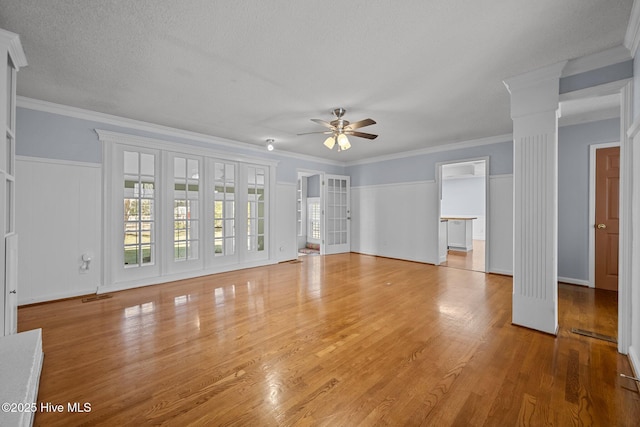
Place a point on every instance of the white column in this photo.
(534, 110)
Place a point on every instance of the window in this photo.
(224, 209)
(186, 201)
(139, 209)
(313, 213)
(255, 209)
(337, 211)
(179, 209)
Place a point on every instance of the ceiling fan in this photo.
(340, 128)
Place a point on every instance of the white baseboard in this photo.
(499, 271)
(634, 359)
(571, 281)
(57, 296)
(157, 280)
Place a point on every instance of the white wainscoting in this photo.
(400, 221)
(58, 218)
(500, 224)
(396, 221)
(285, 211)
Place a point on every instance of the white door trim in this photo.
(487, 208)
(307, 173)
(625, 262)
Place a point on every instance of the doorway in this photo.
(308, 215)
(323, 213)
(463, 214)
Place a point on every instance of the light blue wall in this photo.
(423, 167)
(54, 136)
(573, 193)
(313, 186)
(463, 196)
(610, 73)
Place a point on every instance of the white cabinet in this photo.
(13, 58)
(460, 234)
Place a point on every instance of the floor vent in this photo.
(594, 335)
(96, 298)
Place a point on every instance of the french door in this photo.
(337, 214)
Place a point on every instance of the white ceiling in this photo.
(429, 72)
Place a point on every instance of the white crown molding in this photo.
(604, 58)
(535, 91)
(83, 114)
(74, 163)
(15, 48)
(632, 36)
(143, 141)
(437, 149)
(534, 77)
(94, 116)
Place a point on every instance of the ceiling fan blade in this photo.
(361, 134)
(326, 132)
(361, 124)
(323, 123)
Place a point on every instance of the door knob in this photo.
(13, 292)
(601, 226)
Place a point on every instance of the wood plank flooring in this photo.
(336, 340)
(472, 260)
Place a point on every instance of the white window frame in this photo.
(243, 198)
(212, 260)
(114, 224)
(165, 269)
(172, 265)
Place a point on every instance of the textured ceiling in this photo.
(429, 72)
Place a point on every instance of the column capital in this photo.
(14, 47)
(535, 91)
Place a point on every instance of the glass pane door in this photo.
(337, 214)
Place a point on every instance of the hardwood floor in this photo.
(472, 260)
(335, 340)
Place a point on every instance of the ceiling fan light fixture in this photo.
(339, 128)
(343, 142)
(330, 142)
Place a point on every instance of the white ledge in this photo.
(21, 360)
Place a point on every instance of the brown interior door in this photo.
(607, 214)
